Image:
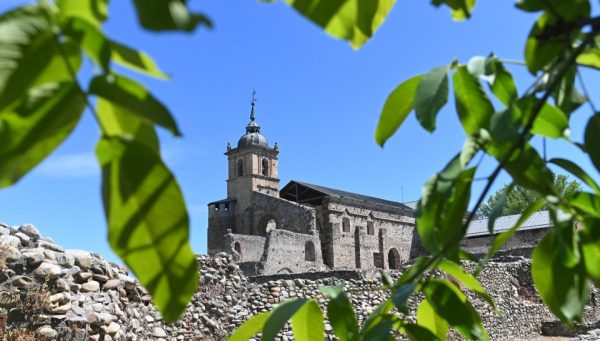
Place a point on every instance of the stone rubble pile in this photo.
(88, 298)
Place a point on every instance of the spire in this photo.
(253, 103)
(252, 127)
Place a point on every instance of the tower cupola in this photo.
(253, 135)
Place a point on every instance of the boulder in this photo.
(30, 231)
(22, 281)
(47, 271)
(33, 257)
(83, 259)
(46, 333)
(11, 254)
(91, 286)
(8, 240)
(50, 246)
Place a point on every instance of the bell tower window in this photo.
(265, 167)
(240, 168)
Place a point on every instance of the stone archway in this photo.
(309, 252)
(394, 259)
(267, 224)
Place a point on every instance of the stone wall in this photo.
(289, 252)
(249, 248)
(288, 215)
(92, 299)
(521, 240)
(362, 234)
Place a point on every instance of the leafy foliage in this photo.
(517, 198)
(353, 20)
(42, 100)
(563, 38)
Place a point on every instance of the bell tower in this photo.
(253, 165)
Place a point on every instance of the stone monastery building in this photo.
(305, 227)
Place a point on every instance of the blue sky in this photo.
(318, 98)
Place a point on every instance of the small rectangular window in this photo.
(345, 224)
(370, 228)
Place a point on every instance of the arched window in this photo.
(266, 224)
(265, 167)
(271, 225)
(238, 248)
(240, 168)
(346, 224)
(309, 252)
(370, 228)
(394, 259)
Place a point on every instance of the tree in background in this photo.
(515, 199)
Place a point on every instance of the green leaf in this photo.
(586, 202)
(376, 316)
(340, 314)
(466, 279)
(30, 54)
(525, 165)
(307, 322)
(541, 52)
(169, 15)
(452, 306)
(148, 225)
(32, 130)
(590, 247)
(280, 316)
(102, 51)
(590, 57)
(472, 104)
(427, 318)
(460, 9)
(574, 169)
(502, 84)
(469, 150)
(498, 208)
(571, 10)
(382, 330)
(250, 328)
(94, 43)
(419, 265)
(504, 124)
(397, 106)
(431, 96)
(117, 122)
(440, 212)
(353, 20)
(418, 333)
(133, 97)
(563, 289)
(592, 139)
(551, 122)
(92, 11)
(566, 95)
(401, 294)
(135, 60)
(506, 235)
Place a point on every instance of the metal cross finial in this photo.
(253, 103)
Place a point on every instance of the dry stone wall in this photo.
(88, 298)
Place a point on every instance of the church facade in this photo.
(304, 227)
(301, 227)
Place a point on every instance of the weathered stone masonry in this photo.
(91, 299)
